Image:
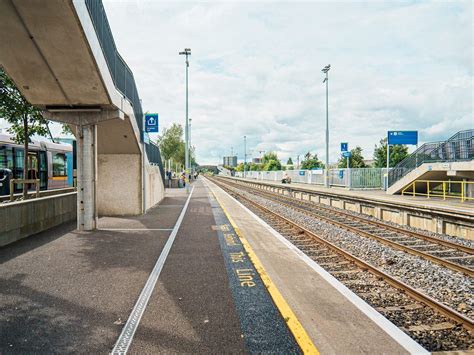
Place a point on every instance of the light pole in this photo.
(245, 155)
(186, 52)
(326, 80)
(190, 148)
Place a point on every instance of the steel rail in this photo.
(414, 293)
(438, 260)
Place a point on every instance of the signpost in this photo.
(402, 137)
(347, 155)
(151, 122)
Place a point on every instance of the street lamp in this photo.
(186, 52)
(326, 80)
(190, 147)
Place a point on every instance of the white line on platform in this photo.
(128, 331)
(391, 329)
(136, 229)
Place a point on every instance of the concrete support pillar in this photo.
(404, 218)
(86, 178)
(378, 212)
(439, 223)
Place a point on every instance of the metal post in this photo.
(326, 80)
(245, 155)
(349, 177)
(327, 130)
(187, 130)
(143, 165)
(388, 164)
(186, 52)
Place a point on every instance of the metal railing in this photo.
(356, 178)
(121, 74)
(459, 147)
(119, 70)
(154, 157)
(440, 188)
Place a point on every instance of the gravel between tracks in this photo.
(451, 288)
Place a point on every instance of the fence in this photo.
(121, 73)
(366, 178)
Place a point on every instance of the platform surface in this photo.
(64, 291)
(451, 205)
(334, 323)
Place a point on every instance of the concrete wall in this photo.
(119, 184)
(24, 218)
(154, 188)
(435, 171)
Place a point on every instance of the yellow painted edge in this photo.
(300, 334)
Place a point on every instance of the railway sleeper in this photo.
(406, 307)
(431, 327)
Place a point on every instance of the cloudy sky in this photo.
(255, 70)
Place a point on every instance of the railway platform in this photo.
(434, 203)
(450, 217)
(198, 273)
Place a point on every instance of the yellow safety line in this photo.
(302, 338)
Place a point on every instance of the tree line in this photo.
(271, 162)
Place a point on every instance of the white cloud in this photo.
(255, 70)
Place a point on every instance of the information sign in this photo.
(346, 154)
(402, 137)
(151, 122)
(344, 147)
(301, 172)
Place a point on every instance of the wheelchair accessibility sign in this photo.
(151, 122)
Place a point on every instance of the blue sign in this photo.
(344, 147)
(301, 172)
(341, 174)
(402, 137)
(346, 154)
(151, 122)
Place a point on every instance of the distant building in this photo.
(256, 160)
(230, 161)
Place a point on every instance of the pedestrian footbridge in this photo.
(62, 56)
(436, 165)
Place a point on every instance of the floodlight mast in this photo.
(326, 80)
(186, 52)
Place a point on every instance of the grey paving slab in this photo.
(63, 291)
(191, 309)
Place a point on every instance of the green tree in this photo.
(171, 143)
(272, 165)
(311, 162)
(172, 146)
(289, 161)
(355, 161)
(270, 161)
(397, 154)
(26, 120)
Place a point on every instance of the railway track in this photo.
(418, 314)
(454, 256)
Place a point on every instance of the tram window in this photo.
(42, 161)
(6, 158)
(19, 154)
(59, 164)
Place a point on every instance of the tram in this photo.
(52, 163)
